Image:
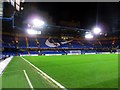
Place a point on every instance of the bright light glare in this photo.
(88, 36)
(31, 31)
(96, 30)
(38, 22)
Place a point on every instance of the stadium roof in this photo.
(80, 15)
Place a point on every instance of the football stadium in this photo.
(59, 45)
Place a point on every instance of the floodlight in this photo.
(38, 32)
(88, 35)
(96, 30)
(37, 22)
(29, 25)
(31, 31)
(22, 8)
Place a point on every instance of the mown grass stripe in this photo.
(48, 77)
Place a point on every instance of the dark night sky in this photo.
(105, 14)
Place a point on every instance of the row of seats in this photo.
(10, 42)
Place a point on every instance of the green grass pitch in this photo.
(13, 76)
(72, 71)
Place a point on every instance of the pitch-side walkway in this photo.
(4, 63)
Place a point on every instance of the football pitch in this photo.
(71, 71)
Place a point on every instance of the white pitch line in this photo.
(55, 82)
(30, 84)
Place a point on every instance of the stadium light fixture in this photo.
(31, 31)
(88, 35)
(96, 30)
(38, 23)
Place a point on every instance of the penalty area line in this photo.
(30, 84)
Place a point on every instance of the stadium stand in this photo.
(22, 42)
(8, 41)
(32, 43)
(43, 46)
